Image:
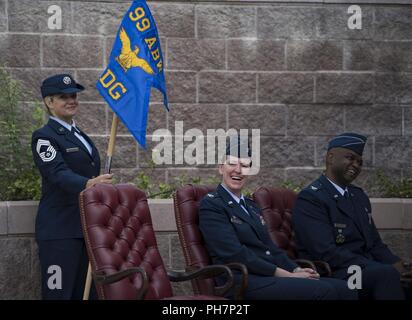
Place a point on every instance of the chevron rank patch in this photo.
(45, 150)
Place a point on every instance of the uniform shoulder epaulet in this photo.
(355, 187)
(212, 195)
(38, 131)
(315, 186)
(250, 202)
(45, 130)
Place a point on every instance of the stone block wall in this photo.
(293, 70)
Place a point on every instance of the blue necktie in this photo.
(74, 129)
(243, 203)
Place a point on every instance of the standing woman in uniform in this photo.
(68, 162)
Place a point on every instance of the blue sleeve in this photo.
(380, 251)
(49, 160)
(315, 232)
(222, 241)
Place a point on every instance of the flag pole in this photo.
(108, 165)
(112, 142)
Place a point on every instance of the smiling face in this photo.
(343, 166)
(234, 171)
(63, 106)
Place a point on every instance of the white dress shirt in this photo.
(340, 190)
(78, 136)
(236, 198)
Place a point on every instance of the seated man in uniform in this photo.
(333, 222)
(234, 231)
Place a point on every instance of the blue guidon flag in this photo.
(135, 66)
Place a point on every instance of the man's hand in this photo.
(402, 266)
(104, 178)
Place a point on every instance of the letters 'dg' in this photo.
(116, 89)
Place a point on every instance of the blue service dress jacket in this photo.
(336, 229)
(231, 235)
(65, 166)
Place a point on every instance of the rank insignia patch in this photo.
(45, 150)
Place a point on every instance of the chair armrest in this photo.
(239, 291)
(323, 268)
(406, 279)
(204, 273)
(102, 278)
(303, 263)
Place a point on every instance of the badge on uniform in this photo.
(45, 150)
(210, 195)
(340, 238)
(235, 219)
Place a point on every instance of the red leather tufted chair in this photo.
(122, 247)
(277, 205)
(186, 205)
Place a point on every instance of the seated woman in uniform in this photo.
(233, 229)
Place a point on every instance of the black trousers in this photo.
(276, 288)
(63, 264)
(381, 282)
